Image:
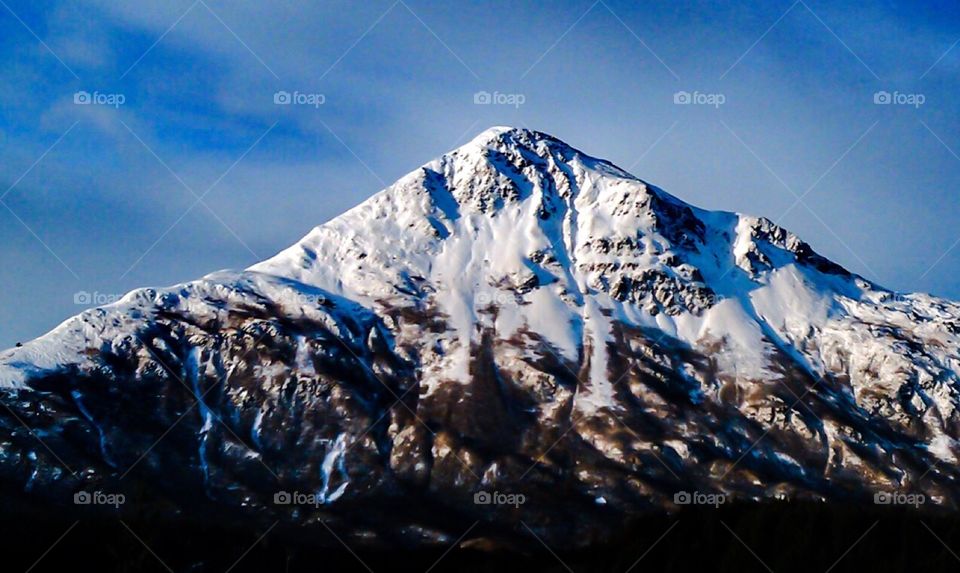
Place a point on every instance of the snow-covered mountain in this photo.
(514, 317)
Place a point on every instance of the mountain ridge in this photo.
(514, 316)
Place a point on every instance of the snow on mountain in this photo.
(566, 242)
(514, 314)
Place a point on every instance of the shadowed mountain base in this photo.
(779, 537)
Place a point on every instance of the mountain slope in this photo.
(515, 316)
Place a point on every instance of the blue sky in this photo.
(101, 198)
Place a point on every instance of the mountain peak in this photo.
(520, 217)
(531, 143)
(533, 212)
(505, 133)
(495, 131)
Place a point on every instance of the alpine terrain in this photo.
(515, 334)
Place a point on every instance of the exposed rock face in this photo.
(514, 318)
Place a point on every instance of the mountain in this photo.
(515, 335)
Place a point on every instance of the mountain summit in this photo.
(514, 318)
